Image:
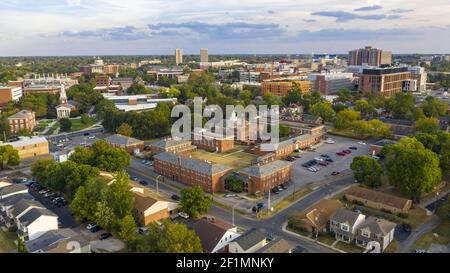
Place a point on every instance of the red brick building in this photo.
(212, 142)
(22, 120)
(129, 144)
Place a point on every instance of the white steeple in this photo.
(62, 95)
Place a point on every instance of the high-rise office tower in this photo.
(203, 55)
(370, 56)
(178, 56)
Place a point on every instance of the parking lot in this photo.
(66, 143)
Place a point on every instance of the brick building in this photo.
(30, 146)
(379, 200)
(181, 147)
(190, 171)
(260, 179)
(129, 144)
(10, 94)
(369, 56)
(281, 87)
(148, 209)
(383, 81)
(213, 142)
(22, 120)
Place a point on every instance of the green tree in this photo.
(121, 198)
(417, 113)
(361, 128)
(401, 105)
(127, 228)
(25, 132)
(412, 168)
(86, 119)
(429, 141)
(427, 125)
(41, 168)
(433, 107)
(379, 129)
(125, 130)
(345, 118)
(194, 201)
(294, 95)
(246, 97)
(444, 211)
(137, 89)
(234, 184)
(367, 171)
(65, 124)
(344, 95)
(323, 110)
(364, 107)
(271, 99)
(8, 156)
(21, 248)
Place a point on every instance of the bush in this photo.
(403, 215)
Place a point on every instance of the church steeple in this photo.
(62, 95)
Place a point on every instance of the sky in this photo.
(129, 27)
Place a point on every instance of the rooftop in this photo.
(34, 214)
(377, 226)
(122, 140)
(278, 246)
(14, 188)
(21, 115)
(250, 238)
(342, 215)
(210, 231)
(266, 169)
(378, 197)
(192, 164)
(167, 143)
(26, 141)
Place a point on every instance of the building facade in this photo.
(383, 81)
(10, 94)
(212, 142)
(370, 56)
(191, 172)
(22, 120)
(282, 87)
(331, 83)
(129, 144)
(178, 56)
(179, 147)
(30, 146)
(204, 55)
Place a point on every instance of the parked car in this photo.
(105, 236)
(347, 151)
(280, 188)
(95, 229)
(260, 205)
(329, 160)
(376, 157)
(284, 186)
(353, 148)
(298, 249)
(340, 153)
(361, 143)
(143, 230)
(335, 173)
(175, 197)
(297, 156)
(330, 141)
(275, 191)
(420, 250)
(91, 225)
(183, 215)
(227, 195)
(325, 155)
(323, 163)
(49, 194)
(44, 191)
(143, 183)
(134, 178)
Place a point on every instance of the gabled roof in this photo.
(266, 169)
(167, 143)
(23, 205)
(122, 140)
(34, 214)
(14, 188)
(55, 241)
(250, 238)
(192, 164)
(319, 214)
(210, 232)
(378, 197)
(21, 114)
(13, 199)
(278, 246)
(377, 226)
(142, 202)
(342, 215)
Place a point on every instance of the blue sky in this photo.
(97, 27)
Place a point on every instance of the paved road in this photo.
(406, 245)
(272, 224)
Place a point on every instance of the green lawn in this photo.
(77, 125)
(345, 133)
(234, 159)
(52, 129)
(42, 125)
(7, 241)
(326, 238)
(392, 247)
(443, 232)
(349, 248)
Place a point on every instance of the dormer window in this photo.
(365, 233)
(345, 227)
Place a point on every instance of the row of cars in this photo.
(56, 199)
(94, 228)
(147, 163)
(313, 164)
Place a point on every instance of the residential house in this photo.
(215, 234)
(129, 144)
(59, 241)
(19, 209)
(316, 218)
(35, 223)
(147, 210)
(12, 190)
(249, 242)
(8, 202)
(344, 224)
(278, 246)
(378, 200)
(374, 229)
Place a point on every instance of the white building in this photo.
(64, 109)
(36, 222)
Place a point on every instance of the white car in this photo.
(183, 215)
(361, 143)
(91, 226)
(330, 141)
(318, 159)
(229, 195)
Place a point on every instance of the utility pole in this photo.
(268, 202)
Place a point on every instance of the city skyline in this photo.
(111, 27)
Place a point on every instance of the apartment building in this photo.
(419, 75)
(282, 87)
(30, 146)
(211, 141)
(10, 94)
(384, 81)
(370, 56)
(131, 145)
(191, 172)
(204, 55)
(260, 179)
(331, 83)
(178, 56)
(111, 69)
(249, 76)
(22, 120)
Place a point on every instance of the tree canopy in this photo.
(194, 201)
(9, 156)
(367, 171)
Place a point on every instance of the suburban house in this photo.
(12, 190)
(35, 223)
(378, 200)
(374, 229)
(278, 246)
(190, 171)
(249, 242)
(260, 179)
(169, 145)
(19, 209)
(129, 144)
(59, 241)
(8, 202)
(215, 234)
(344, 224)
(148, 209)
(316, 218)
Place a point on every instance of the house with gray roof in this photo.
(59, 241)
(12, 190)
(280, 245)
(249, 242)
(377, 230)
(344, 224)
(129, 144)
(190, 171)
(20, 208)
(35, 222)
(8, 202)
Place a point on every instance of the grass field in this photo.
(235, 159)
(52, 129)
(77, 125)
(7, 241)
(443, 232)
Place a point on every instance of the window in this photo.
(345, 227)
(365, 233)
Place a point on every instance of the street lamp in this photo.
(233, 214)
(157, 184)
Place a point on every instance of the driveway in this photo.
(407, 244)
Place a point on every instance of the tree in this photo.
(137, 89)
(40, 169)
(444, 211)
(429, 141)
(433, 107)
(271, 99)
(323, 110)
(401, 105)
(234, 184)
(127, 228)
(294, 95)
(361, 128)
(344, 95)
(65, 124)
(21, 247)
(417, 113)
(364, 107)
(8, 156)
(367, 171)
(379, 129)
(121, 198)
(168, 238)
(427, 125)
(412, 168)
(125, 130)
(345, 118)
(194, 201)
(25, 132)
(86, 119)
